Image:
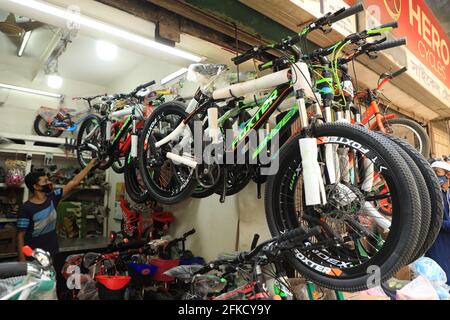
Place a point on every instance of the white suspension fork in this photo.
(312, 174)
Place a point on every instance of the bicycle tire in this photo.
(434, 190)
(425, 199)
(135, 191)
(37, 129)
(156, 193)
(404, 228)
(417, 128)
(87, 121)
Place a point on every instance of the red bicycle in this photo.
(406, 129)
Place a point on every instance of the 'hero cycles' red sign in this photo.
(426, 39)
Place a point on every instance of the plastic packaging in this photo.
(15, 172)
(418, 289)
(429, 269)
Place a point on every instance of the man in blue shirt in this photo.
(36, 223)
(440, 250)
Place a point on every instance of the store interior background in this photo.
(220, 227)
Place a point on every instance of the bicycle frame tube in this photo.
(122, 131)
(262, 114)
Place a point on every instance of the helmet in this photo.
(14, 177)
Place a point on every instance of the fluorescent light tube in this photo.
(101, 26)
(25, 39)
(174, 75)
(32, 91)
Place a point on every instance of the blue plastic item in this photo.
(143, 269)
(429, 269)
(194, 260)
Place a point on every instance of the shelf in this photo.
(3, 185)
(93, 187)
(8, 255)
(3, 220)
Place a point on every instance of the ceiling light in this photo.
(32, 91)
(106, 51)
(54, 81)
(174, 75)
(109, 29)
(23, 45)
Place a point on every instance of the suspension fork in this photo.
(312, 175)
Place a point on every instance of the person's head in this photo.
(442, 170)
(38, 181)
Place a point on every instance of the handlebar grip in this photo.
(347, 13)
(148, 84)
(392, 24)
(190, 232)
(255, 241)
(13, 269)
(244, 57)
(292, 234)
(399, 72)
(387, 45)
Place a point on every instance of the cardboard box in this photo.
(359, 296)
(404, 274)
(8, 241)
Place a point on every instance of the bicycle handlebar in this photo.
(13, 269)
(328, 19)
(386, 45)
(398, 72)
(337, 16)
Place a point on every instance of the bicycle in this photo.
(111, 140)
(404, 128)
(53, 122)
(261, 270)
(28, 280)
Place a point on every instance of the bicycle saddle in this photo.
(184, 272)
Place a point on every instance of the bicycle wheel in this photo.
(167, 182)
(118, 165)
(412, 132)
(355, 237)
(433, 189)
(134, 184)
(42, 128)
(238, 177)
(425, 200)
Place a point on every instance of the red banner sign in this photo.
(426, 39)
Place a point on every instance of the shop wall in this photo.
(441, 139)
(18, 110)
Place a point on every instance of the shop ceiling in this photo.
(222, 22)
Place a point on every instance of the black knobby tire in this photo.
(189, 183)
(85, 125)
(134, 186)
(117, 167)
(417, 128)
(38, 121)
(433, 189)
(425, 200)
(404, 229)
